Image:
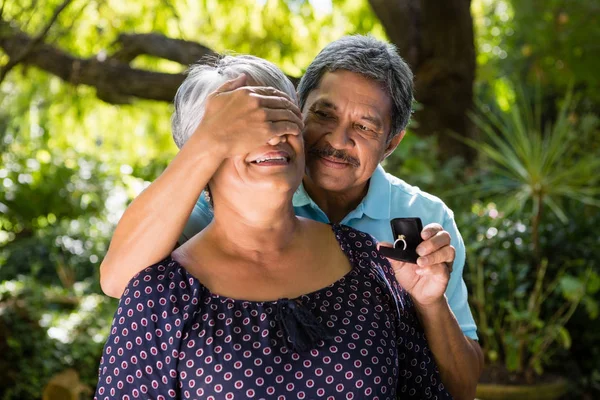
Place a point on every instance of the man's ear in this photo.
(391, 146)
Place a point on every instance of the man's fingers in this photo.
(277, 102)
(285, 128)
(434, 243)
(444, 255)
(431, 230)
(232, 84)
(278, 114)
(269, 91)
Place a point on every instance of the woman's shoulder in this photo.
(162, 294)
(358, 244)
(364, 248)
(359, 236)
(354, 243)
(166, 278)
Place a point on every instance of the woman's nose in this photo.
(274, 141)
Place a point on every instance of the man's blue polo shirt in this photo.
(388, 197)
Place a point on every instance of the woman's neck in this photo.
(255, 232)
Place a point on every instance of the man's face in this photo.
(347, 122)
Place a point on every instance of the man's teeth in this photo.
(260, 160)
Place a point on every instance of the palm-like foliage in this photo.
(531, 164)
(531, 167)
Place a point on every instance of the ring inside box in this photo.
(407, 236)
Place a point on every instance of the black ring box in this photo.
(405, 230)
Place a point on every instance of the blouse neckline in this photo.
(344, 247)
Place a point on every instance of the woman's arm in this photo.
(149, 228)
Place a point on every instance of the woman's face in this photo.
(267, 172)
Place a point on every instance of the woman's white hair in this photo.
(205, 78)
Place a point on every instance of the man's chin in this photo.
(331, 183)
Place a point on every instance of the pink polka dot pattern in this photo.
(172, 338)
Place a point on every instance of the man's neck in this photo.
(336, 205)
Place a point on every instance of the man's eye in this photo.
(363, 128)
(321, 114)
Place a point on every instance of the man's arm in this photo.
(459, 358)
(149, 228)
(236, 121)
(424, 377)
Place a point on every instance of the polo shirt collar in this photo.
(301, 198)
(376, 203)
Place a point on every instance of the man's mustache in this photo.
(330, 152)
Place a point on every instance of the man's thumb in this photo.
(232, 84)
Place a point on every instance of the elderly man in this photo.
(355, 100)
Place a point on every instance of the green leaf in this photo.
(591, 306)
(572, 287)
(564, 338)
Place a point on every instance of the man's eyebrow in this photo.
(325, 104)
(374, 120)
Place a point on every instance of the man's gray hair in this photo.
(203, 79)
(373, 59)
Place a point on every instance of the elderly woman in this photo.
(261, 303)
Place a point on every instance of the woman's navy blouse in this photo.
(357, 338)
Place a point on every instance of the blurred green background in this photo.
(505, 132)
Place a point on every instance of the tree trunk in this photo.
(436, 39)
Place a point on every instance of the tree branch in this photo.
(180, 51)
(115, 80)
(16, 59)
